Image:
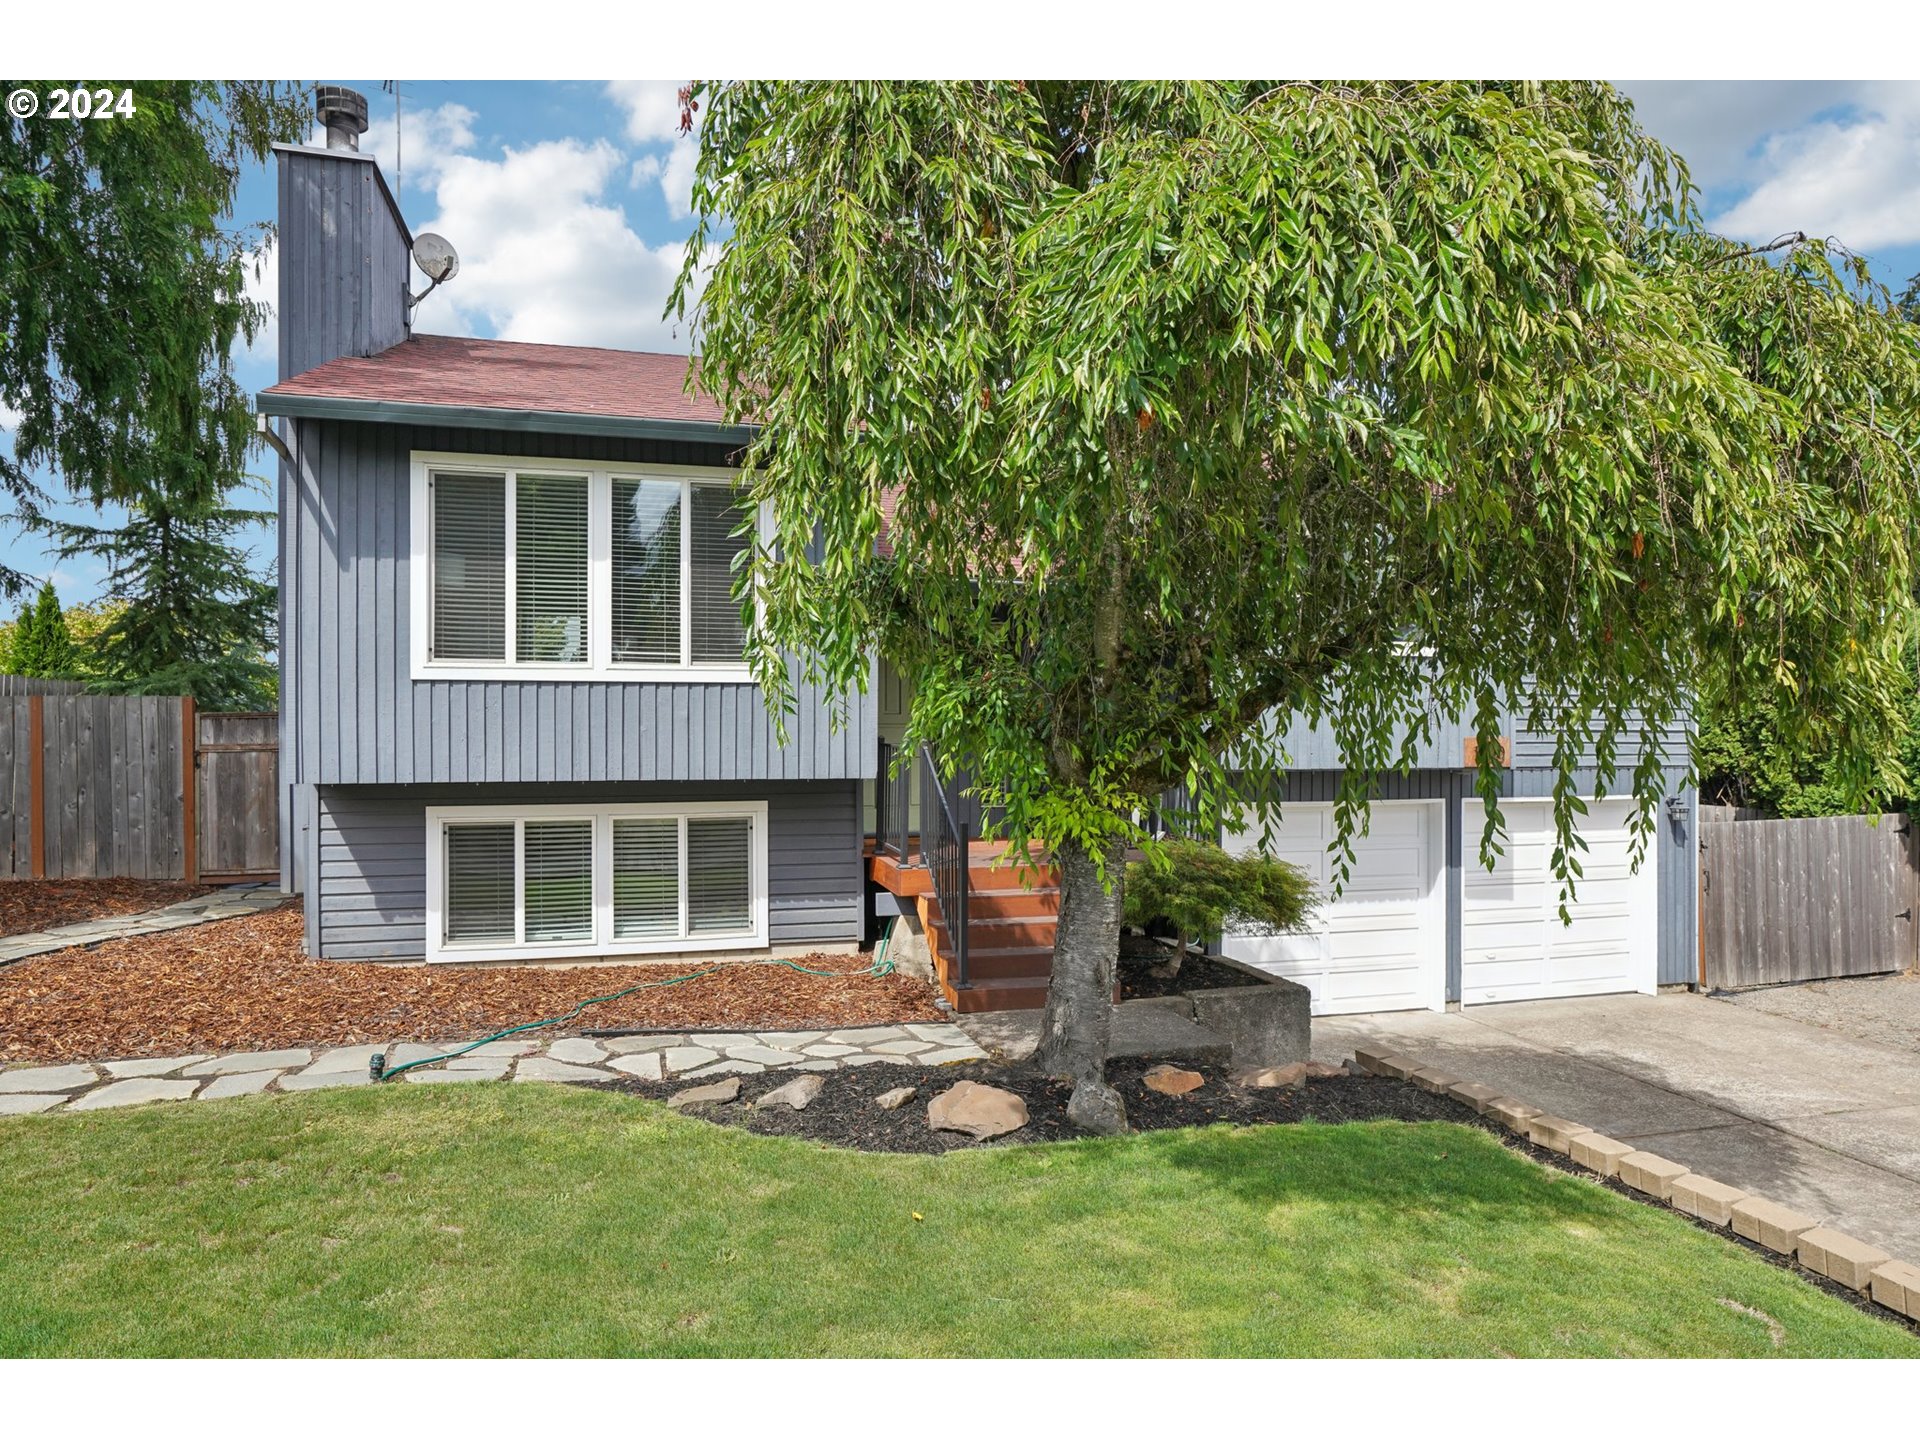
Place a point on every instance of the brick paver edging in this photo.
(1890, 1283)
(45, 1089)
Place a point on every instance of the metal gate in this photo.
(1816, 899)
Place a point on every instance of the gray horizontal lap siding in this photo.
(367, 897)
(357, 717)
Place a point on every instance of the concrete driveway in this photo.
(1826, 1123)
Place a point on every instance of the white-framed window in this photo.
(518, 882)
(546, 568)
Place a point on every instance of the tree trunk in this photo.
(1086, 947)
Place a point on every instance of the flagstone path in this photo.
(42, 1089)
(201, 909)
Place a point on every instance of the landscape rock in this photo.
(1097, 1108)
(721, 1092)
(645, 1065)
(1321, 1070)
(796, 1094)
(1172, 1080)
(894, 1099)
(576, 1050)
(1272, 1077)
(982, 1111)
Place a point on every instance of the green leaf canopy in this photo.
(1195, 405)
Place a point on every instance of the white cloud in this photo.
(1718, 125)
(1856, 178)
(545, 256)
(653, 118)
(1833, 158)
(426, 139)
(10, 418)
(652, 106)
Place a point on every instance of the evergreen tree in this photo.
(123, 287)
(41, 644)
(194, 618)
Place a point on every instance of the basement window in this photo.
(537, 569)
(567, 880)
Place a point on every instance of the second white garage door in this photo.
(1513, 944)
(1382, 944)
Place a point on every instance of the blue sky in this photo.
(568, 203)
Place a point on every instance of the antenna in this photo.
(392, 87)
(437, 262)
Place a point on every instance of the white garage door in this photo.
(1381, 945)
(1513, 944)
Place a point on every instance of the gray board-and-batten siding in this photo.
(367, 881)
(355, 715)
(344, 258)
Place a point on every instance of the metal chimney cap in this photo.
(344, 113)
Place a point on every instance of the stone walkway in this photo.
(219, 905)
(34, 1090)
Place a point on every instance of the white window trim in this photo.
(600, 665)
(604, 941)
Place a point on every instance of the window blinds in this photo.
(646, 571)
(718, 635)
(719, 874)
(559, 880)
(550, 568)
(646, 879)
(469, 567)
(480, 883)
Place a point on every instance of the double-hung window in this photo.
(547, 569)
(510, 882)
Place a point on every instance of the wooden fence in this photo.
(135, 786)
(1815, 899)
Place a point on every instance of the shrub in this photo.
(1198, 889)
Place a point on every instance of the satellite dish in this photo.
(435, 257)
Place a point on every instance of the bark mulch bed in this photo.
(27, 906)
(246, 984)
(1138, 955)
(844, 1115)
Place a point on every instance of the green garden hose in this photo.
(377, 1069)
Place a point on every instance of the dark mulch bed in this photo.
(248, 984)
(1139, 954)
(30, 905)
(845, 1115)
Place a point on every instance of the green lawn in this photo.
(534, 1219)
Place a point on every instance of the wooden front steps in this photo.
(1011, 919)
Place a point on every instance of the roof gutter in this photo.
(482, 417)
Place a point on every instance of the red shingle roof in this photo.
(508, 375)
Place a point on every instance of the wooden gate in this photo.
(1814, 899)
(236, 795)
